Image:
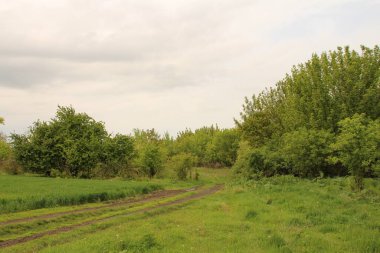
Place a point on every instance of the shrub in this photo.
(357, 147)
(182, 165)
(306, 151)
(7, 162)
(72, 143)
(151, 160)
(256, 162)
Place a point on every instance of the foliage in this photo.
(222, 150)
(196, 142)
(298, 119)
(5, 149)
(358, 147)
(303, 153)
(242, 165)
(317, 94)
(72, 143)
(306, 151)
(118, 154)
(7, 160)
(150, 153)
(151, 160)
(182, 165)
(212, 146)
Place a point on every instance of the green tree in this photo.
(357, 147)
(304, 109)
(222, 149)
(307, 151)
(182, 165)
(71, 142)
(315, 95)
(196, 143)
(150, 152)
(151, 160)
(118, 154)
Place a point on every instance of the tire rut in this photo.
(153, 196)
(197, 195)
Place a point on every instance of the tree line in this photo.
(73, 144)
(321, 119)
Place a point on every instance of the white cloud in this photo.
(167, 64)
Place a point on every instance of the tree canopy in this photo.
(301, 117)
(71, 142)
(316, 95)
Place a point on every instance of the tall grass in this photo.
(19, 193)
(282, 214)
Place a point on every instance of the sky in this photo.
(163, 64)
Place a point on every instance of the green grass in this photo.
(283, 214)
(21, 229)
(19, 193)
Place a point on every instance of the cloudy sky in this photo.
(163, 64)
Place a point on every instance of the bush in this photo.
(257, 162)
(242, 164)
(151, 160)
(357, 147)
(7, 162)
(182, 165)
(302, 153)
(306, 151)
(72, 143)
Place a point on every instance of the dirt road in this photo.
(157, 195)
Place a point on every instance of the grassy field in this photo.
(19, 193)
(283, 214)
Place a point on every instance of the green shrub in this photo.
(306, 151)
(357, 147)
(182, 165)
(73, 143)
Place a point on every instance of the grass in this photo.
(283, 214)
(19, 193)
(11, 231)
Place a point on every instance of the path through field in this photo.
(100, 214)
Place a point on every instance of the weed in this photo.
(276, 241)
(146, 243)
(250, 215)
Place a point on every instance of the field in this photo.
(19, 193)
(282, 214)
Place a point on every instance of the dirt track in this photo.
(197, 195)
(149, 197)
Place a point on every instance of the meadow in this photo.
(19, 193)
(279, 214)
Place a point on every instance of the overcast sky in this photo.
(163, 64)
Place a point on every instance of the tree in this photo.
(1, 121)
(182, 165)
(71, 142)
(315, 95)
(151, 160)
(306, 151)
(358, 147)
(196, 143)
(150, 153)
(304, 112)
(117, 156)
(222, 149)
